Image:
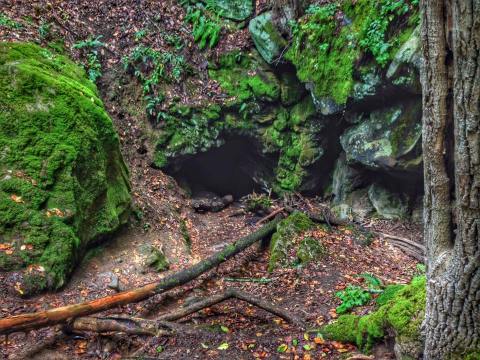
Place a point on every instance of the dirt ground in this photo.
(161, 210)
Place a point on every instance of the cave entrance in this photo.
(236, 168)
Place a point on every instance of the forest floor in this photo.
(163, 208)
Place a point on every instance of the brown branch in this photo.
(62, 314)
(238, 294)
(270, 216)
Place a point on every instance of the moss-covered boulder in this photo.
(233, 9)
(288, 248)
(266, 37)
(400, 316)
(63, 182)
(387, 139)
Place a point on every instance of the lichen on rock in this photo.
(63, 182)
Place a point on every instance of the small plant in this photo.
(44, 30)
(90, 43)
(351, 297)
(140, 34)
(175, 41)
(258, 203)
(93, 66)
(206, 29)
(5, 21)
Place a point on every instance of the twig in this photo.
(254, 280)
(271, 215)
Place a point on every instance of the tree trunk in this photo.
(451, 112)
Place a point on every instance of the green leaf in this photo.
(225, 329)
(295, 342)
(160, 349)
(282, 348)
(307, 347)
(223, 346)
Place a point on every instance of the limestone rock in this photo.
(234, 9)
(386, 139)
(387, 204)
(267, 38)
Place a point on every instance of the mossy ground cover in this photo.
(63, 182)
(331, 40)
(401, 310)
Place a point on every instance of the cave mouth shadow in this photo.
(235, 168)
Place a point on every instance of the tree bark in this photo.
(59, 315)
(451, 93)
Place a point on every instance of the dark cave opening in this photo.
(235, 168)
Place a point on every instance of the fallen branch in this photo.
(140, 326)
(270, 216)
(62, 314)
(228, 294)
(254, 280)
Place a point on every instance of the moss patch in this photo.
(330, 40)
(402, 313)
(63, 182)
(283, 241)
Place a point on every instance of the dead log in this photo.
(62, 314)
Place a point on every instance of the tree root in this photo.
(60, 315)
(164, 325)
(237, 294)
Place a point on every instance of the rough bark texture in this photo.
(451, 92)
(62, 314)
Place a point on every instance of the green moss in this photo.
(63, 182)
(403, 314)
(302, 112)
(331, 39)
(310, 249)
(282, 241)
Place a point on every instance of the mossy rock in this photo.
(238, 10)
(282, 243)
(266, 37)
(388, 205)
(331, 40)
(63, 182)
(402, 315)
(310, 249)
(387, 139)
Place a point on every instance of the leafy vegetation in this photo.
(5, 21)
(206, 25)
(93, 66)
(351, 297)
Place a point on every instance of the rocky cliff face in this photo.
(331, 106)
(63, 182)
